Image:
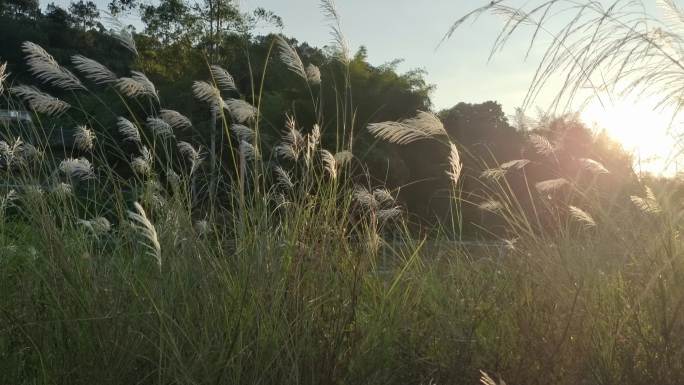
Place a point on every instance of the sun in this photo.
(641, 128)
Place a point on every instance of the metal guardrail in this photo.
(15, 115)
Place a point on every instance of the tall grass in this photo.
(286, 275)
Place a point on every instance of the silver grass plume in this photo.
(455, 165)
(551, 185)
(423, 126)
(313, 140)
(148, 86)
(582, 217)
(194, 156)
(293, 141)
(648, 204)
(593, 166)
(222, 78)
(329, 163)
(46, 69)
(117, 30)
(247, 151)
(491, 205)
(242, 132)
(493, 174)
(542, 145)
(175, 119)
(387, 214)
(330, 11)
(283, 178)
(137, 85)
(290, 57)
(240, 110)
(128, 130)
(7, 200)
(142, 223)
(209, 94)
(93, 70)
(33, 192)
(3, 76)
(84, 138)
(160, 127)
(98, 226)
(201, 227)
(142, 164)
(343, 157)
(517, 164)
(39, 101)
(382, 196)
(62, 190)
(77, 168)
(365, 198)
(672, 15)
(313, 74)
(485, 379)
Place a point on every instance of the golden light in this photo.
(641, 129)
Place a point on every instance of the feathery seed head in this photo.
(493, 173)
(39, 101)
(202, 227)
(383, 196)
(209, 94)
(3, 76)
(313, 74)
(491, 205)
(46, 69)
(283, 178)
(222, 78)
(455, 165)
(593, 166)
(84, 138)
(551, 185)
(582, 217)
(142, 164)
(242, 132)
(648, 204)
(160, 127)
(77, 168)
(93, 70)
(423, 126)
(343, 157)
(542, 145)
(387, 214)
(175, 119)
(194, 156)
(120, 32)
(290, 57)
(142, 223)
(516, 164)
(98, 226)
(240, 110)
(330, 163)
(128, 130)
(365, 198)
(62, 190)
(137, 85)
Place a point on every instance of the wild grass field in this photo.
(136, 257)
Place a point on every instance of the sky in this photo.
(401, 29)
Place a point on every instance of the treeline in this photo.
(180, 40)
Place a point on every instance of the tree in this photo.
(58, 15)
(85, 13)
(20, 8)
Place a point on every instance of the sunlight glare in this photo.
(640, 129)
